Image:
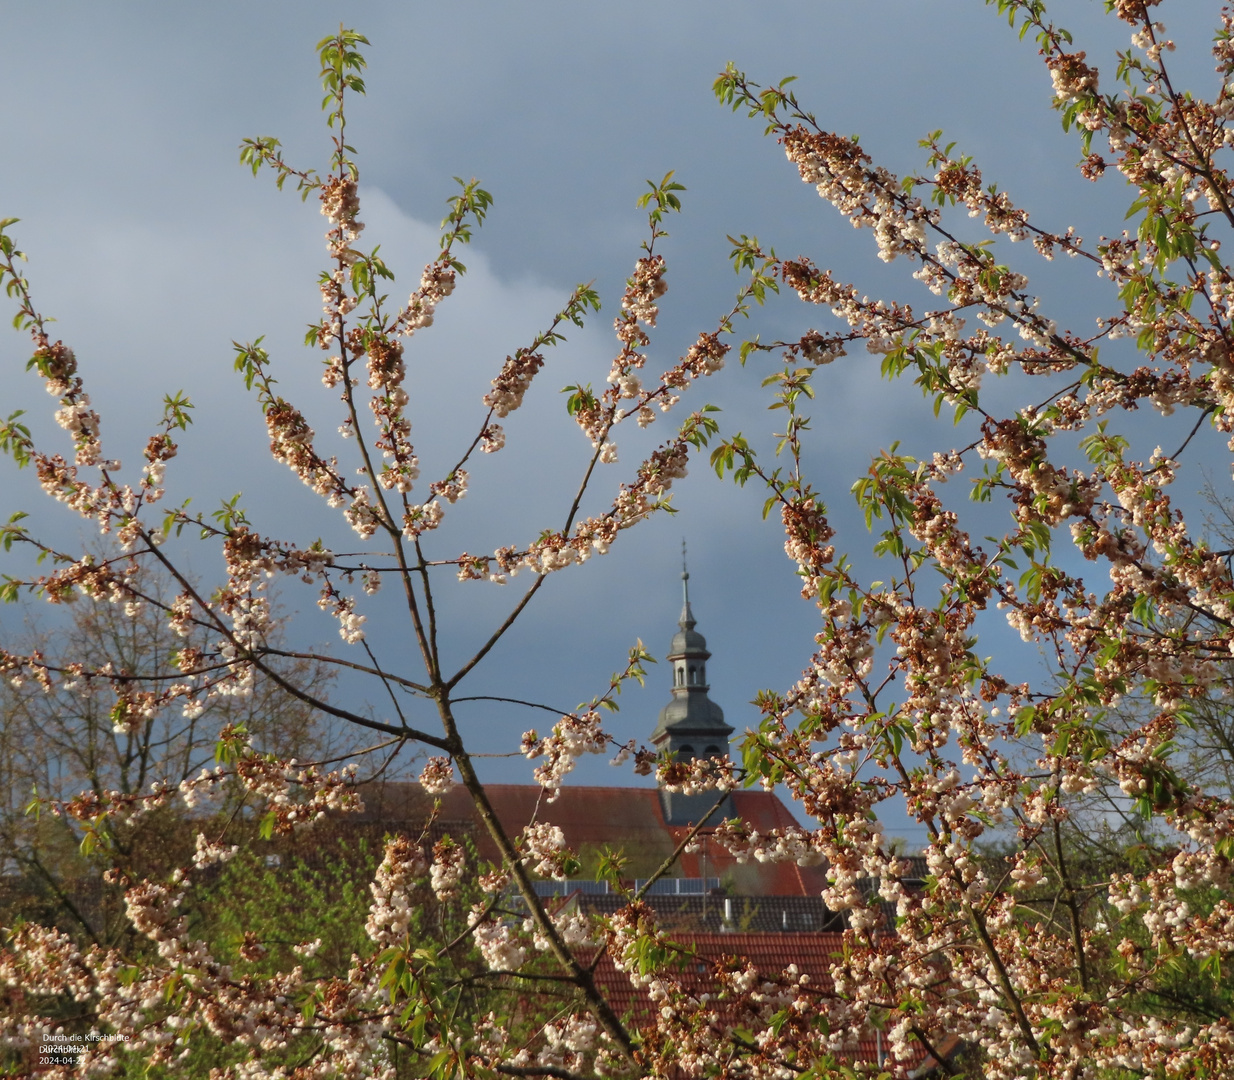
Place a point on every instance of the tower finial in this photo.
(686, 622)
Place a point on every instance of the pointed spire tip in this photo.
(686, 622)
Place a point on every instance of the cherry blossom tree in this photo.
(183, 993)
(1039, 967)
(1037, 964)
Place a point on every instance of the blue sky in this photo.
(155, 250)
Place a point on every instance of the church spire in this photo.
(691, 724)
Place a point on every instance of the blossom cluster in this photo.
(446, 870)
(572, 737)
(390, 914)
(546, 844)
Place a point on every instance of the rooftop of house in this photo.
(770, 954)
(594, 819)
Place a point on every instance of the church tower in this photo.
(691, 724)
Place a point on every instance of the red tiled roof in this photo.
(630, 820)
(770, 954)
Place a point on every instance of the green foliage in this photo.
(290, 903)
(664, 196)
(341, 64)
(468, 210)
(15, 439)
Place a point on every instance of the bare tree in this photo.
(63, 743)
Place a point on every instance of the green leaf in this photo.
(266, 829)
